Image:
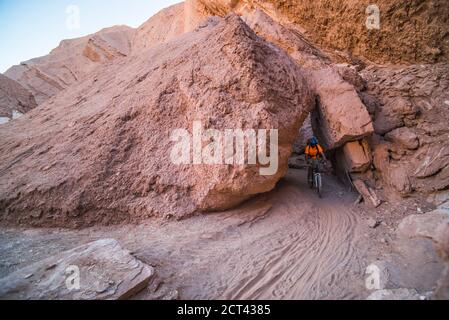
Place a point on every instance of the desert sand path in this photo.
(287, 244)
(303, 248)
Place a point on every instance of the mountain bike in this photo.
(316, 182)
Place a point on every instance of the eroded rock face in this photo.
(442, 291)
(405, 137)
(411, 151)
(71, 61)
(393, 114)
(100, 152)
(408, 32)
(14, 98)
(341, 116)
(100, 270)
(305, 134)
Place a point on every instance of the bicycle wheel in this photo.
(318, 184)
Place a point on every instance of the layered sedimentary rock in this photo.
(14, 99)
(287, 38)
(71, 61)
(410, 113)
(101, 151)
(387, 31)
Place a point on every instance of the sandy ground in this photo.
(287, 244)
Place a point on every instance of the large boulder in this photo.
(357, 156)
(341, 115)
(433, 225)
(102, 151)
(71, 61)
(290, 40)
(100, 270)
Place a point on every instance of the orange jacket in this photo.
(313, 152)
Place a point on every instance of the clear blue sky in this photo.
(31, 28)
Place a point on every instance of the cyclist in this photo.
(314, 153)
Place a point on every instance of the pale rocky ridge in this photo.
(71, 61)
(74, 59)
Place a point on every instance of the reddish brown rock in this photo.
(287, 38)
(368, 194)
(393, 114)
(433, 225)
(14, 98)
(357, 155)
(408, 32)
(100, 152)
(395, 176)
(342, 117)
(350, 75)
(412, 111)
(404, 137)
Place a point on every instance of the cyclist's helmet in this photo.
(314, 141)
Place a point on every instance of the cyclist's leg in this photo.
(310, 174)
(315, 163)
